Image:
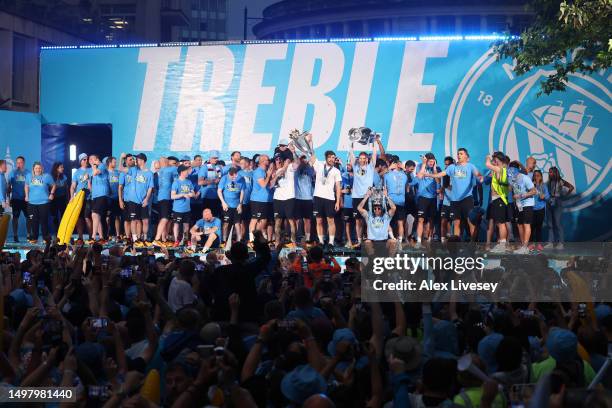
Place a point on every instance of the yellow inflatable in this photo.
(5, 220)
(150, 389)
(70, 218)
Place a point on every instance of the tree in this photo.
(572, 36)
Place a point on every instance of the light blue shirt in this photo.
(17, 182)
(143, 181)
(127, 181)
(247, 177)
(347, 182)
(396, 181)
(427, 186)
(378, 227)
(81, 178)
(304, 183)
(40, 187)
(3, 188)
(209, 172)
(259, 193)
(539, 203)
(114, 177)
(463, 180)
(182, 205)
(206, 225)
(231, 190)
(521, 184)
(60, 186)
(363, 179)
(99, 184)
(165, 178)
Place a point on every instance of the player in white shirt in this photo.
(284, 195)
(327, 193)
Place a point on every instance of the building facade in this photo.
(300, 19)
(208, 21)
(26, 25)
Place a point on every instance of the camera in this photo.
(205, 350)
(98, 323)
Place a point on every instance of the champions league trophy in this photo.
(302, 147)
(362, 135)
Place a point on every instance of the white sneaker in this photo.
(522, 250)
(550, 245)
(418, 245)
(560, 247)
(500, 248)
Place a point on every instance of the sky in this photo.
(236, 12)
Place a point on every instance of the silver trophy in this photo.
(302, 147)
(362, 135)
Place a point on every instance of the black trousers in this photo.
(39, 217)
(536, 225)
(57, 208)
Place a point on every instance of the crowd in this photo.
(292, 198)
(265, 323)
(280, 328)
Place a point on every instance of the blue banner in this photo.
(420, 95)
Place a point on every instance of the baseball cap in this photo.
(302, 382)
(213, 153)
(283, 142)
(185, 158)
(82, 156)
(562, 344)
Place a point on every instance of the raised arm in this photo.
(489, 165)
(363, 211)
(382, 149)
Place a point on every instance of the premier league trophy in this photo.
(302, 147)
(362, 135)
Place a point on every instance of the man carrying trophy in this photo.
(363, 172)
(378, 221)
(327, 191)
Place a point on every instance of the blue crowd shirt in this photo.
(363, 179)
(231, 190)
(81, 177)
(541, 203)
(463, 180)
(99, 184)
(40, 187)
(427, 186)
(259, 193)
(347, 182)
(396, 181)
(521, 184)
(207, 225)
(143, 181)
(378, 227)
(304, 183)
(165, 178)
(247, 177)
(17, 182)
(61, 184)
(183, 204)
(114, 177)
